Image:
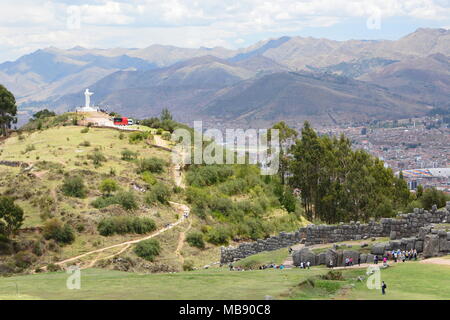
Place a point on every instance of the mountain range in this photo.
(289, 78)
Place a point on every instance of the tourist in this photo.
(331, 264)
(359, 260)
(385, 261)
(351, 261)
(395, 257)
(301, 265)
(375, 259)
(415, 254)
(308, 264)
(383, 288)
(346, 262)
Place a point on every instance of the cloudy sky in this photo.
(27, 25)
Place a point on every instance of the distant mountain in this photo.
(50, 73)
(295, 97)
(425, 79)
(217, 82)
(180, 87)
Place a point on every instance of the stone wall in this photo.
(428, 243)
(404, 225)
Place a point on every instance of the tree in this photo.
(431, 197)
(286, 136)
(11, 216)
(108, 186)
(340, 184)
(8, 110)
(74, 187)
(44, 114)
(166, 115)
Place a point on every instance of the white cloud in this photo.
(31, 24)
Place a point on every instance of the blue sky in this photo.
(28, 25)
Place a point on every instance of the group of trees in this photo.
(8, 110)
(341, 184)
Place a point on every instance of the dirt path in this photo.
(121, 244)
(441, 261)
(181, 242)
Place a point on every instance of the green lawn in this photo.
(263, 258)
(411, 280)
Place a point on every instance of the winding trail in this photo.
(181, 242)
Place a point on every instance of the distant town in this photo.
(406, 145)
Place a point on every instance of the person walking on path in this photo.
(383, 288)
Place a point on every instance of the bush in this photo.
(97, 158)
(136, 137)
(218, 236)
(148, 178)
(85, 130)
(74, 187)
(56, 230)
(123, 225)
(125, 199)
(53, 267)
(195, 239)
(148, 249)
(158, 193)
(201, 176)
(108, 186)
(188, 265)
(129, 155)
(432, 197)
(154, 165)
(85, 144)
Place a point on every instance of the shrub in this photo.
(432, 197)
(74, 187)
(201, 176)
(158, 193)
(188, 265)
(136, 137)
(85, 130)
(85, 144)
(24, 259)
(148, 178)
(148, 249)
(125, 199)
(108, 186)
(56, 230)
(129, 155)
(218, 236)
(195, 239)
(123, 225)
(97, 158)
(154, 165)
(53, 267)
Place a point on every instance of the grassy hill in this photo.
(54, 153)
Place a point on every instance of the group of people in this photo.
(403, 255)
(305, 265)
(349, 261)
(397, 255)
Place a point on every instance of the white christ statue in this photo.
(88, 95)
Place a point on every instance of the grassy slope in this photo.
(411, 280)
